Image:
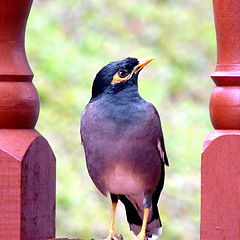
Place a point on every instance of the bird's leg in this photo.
(147, 202)
(142, 234)
(112, 221)
(112, 234)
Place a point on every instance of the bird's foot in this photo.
(114, 236)
(141, 236)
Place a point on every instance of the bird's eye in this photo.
(122, 73)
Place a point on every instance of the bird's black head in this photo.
(118, 75)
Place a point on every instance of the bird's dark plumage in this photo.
(123, 142)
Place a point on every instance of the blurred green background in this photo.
(68, 41)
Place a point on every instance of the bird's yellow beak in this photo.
(142, 63)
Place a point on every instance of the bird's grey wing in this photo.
(155, 225)
(160, 144)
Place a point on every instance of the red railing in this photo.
(27, 163)
(220, 199)
(27, 172)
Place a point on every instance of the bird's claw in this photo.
(141, 236)
(114, 236)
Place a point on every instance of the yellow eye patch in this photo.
(118, 79)
(142, 63)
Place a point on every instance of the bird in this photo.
(124, 146)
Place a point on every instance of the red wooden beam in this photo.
(220, 200)
(27, 163)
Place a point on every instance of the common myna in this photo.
(124, 147)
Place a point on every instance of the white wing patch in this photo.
(160, 150)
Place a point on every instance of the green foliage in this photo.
(68, 41)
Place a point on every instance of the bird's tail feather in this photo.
(154, 226)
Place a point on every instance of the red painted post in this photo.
(220, 214)
(27, 163)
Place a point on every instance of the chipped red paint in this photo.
(220, 190)
(27, 163)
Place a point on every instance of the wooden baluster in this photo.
(220, 202)
(27, 163)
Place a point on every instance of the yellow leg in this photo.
(112, 235)
(142, 234)
(112, 221)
